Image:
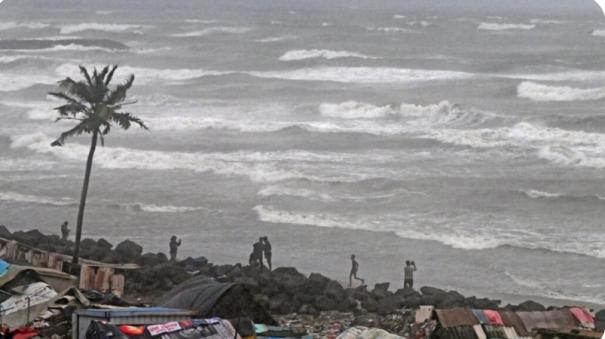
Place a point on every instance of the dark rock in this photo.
(262, 300)
(381, 290)
(334, 290)
(316, 283)
(151, 259)
(370, 305)
(427, 290)
(484, 303)
(129, 251)
(104, 244)
(452, 299)
(349, 305)
(289, 279)
(387, 305)
(405, 293)
(324, 303)
(530, 306)
(5, 233)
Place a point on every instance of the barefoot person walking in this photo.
(354, 269)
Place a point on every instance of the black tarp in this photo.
(210, 298)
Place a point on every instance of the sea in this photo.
(468, 136)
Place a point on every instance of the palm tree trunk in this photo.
(91, 153)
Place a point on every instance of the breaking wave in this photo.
(213, 30)
(302, 54)
(36, 199)
(365, 75)
(539, 92)
(257, 166)
(276, 38)
(147, 75)
(112, 28)
(152, 208)
(536, 194)
(493, 26)
(29, 25)
(391, 29)
(447, 230)
(598, 32)
(61, 44)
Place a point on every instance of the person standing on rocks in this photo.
(257, 249)
(354, 269)
(267, 251)
(174, 247)
(64, 231)
(408, 274)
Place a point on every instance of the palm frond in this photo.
(77, 130)
(110, 75)
(119, 93)
(125, 120)
(84, 72)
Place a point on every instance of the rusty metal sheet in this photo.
(456, 317)
(556, 319)
(511, 319)
(117, 284)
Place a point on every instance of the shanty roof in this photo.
(556, 319)
(456, 317)
(132, 311)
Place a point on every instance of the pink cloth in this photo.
(583, 316)
(493, 317)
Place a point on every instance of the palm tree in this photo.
(96, 107)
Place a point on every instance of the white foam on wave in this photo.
(15, 82)
(213, 30)
(279, 38)
(145, 75)
(275, 190)
(201, 21)
(494, 26)
(29, 25)
(36, 199)
(598, 32)
(365, 75)
(153, 208)
(399, 16)
(391, 29)
(536, 194)
(38, 110)
(356, 110)
(302, 54)
(540, 92)
(537, 21)
(94, 26)
(558, 146)
(257, 166)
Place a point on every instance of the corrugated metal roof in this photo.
(132, 311)
(557, 319)
(456, 317)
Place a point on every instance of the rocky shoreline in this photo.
(282, 291)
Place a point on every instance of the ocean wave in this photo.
(399, 16)
(314, 195)
(45, 45)
(391, 29)
(309, 194)
(452, 231)
(38, 110)
(536, 194)
(15, 82)
(570, 75)
(146, 75)
(257, 166)
(276, 38)
(544, 289)
(494, 26)
(93, 26)
(356, 110)
(598, 32)
(365, 75)
(558, 146)
(302, 54)
(29, 25)
(37, 199)
(213, 30)
(201, 21)
(152, 208)
(540, 92)
(537, 21)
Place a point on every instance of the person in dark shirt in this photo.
(267, 251)
(64, 231)
(174, 247)
(408, 274)
(258, 249)
(354, 270)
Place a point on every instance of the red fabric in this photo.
(493, 317)
(583, 316)
(24, 333)
(132, 330)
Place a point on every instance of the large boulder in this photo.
(324, 303)
(530, 306)
(129, 250)
(387, 305)
(334, 290)
(316, 283)
(381, 290)
(483, 303)
(151, 259)
(452, 299)
(5, 233)
(289, 279)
